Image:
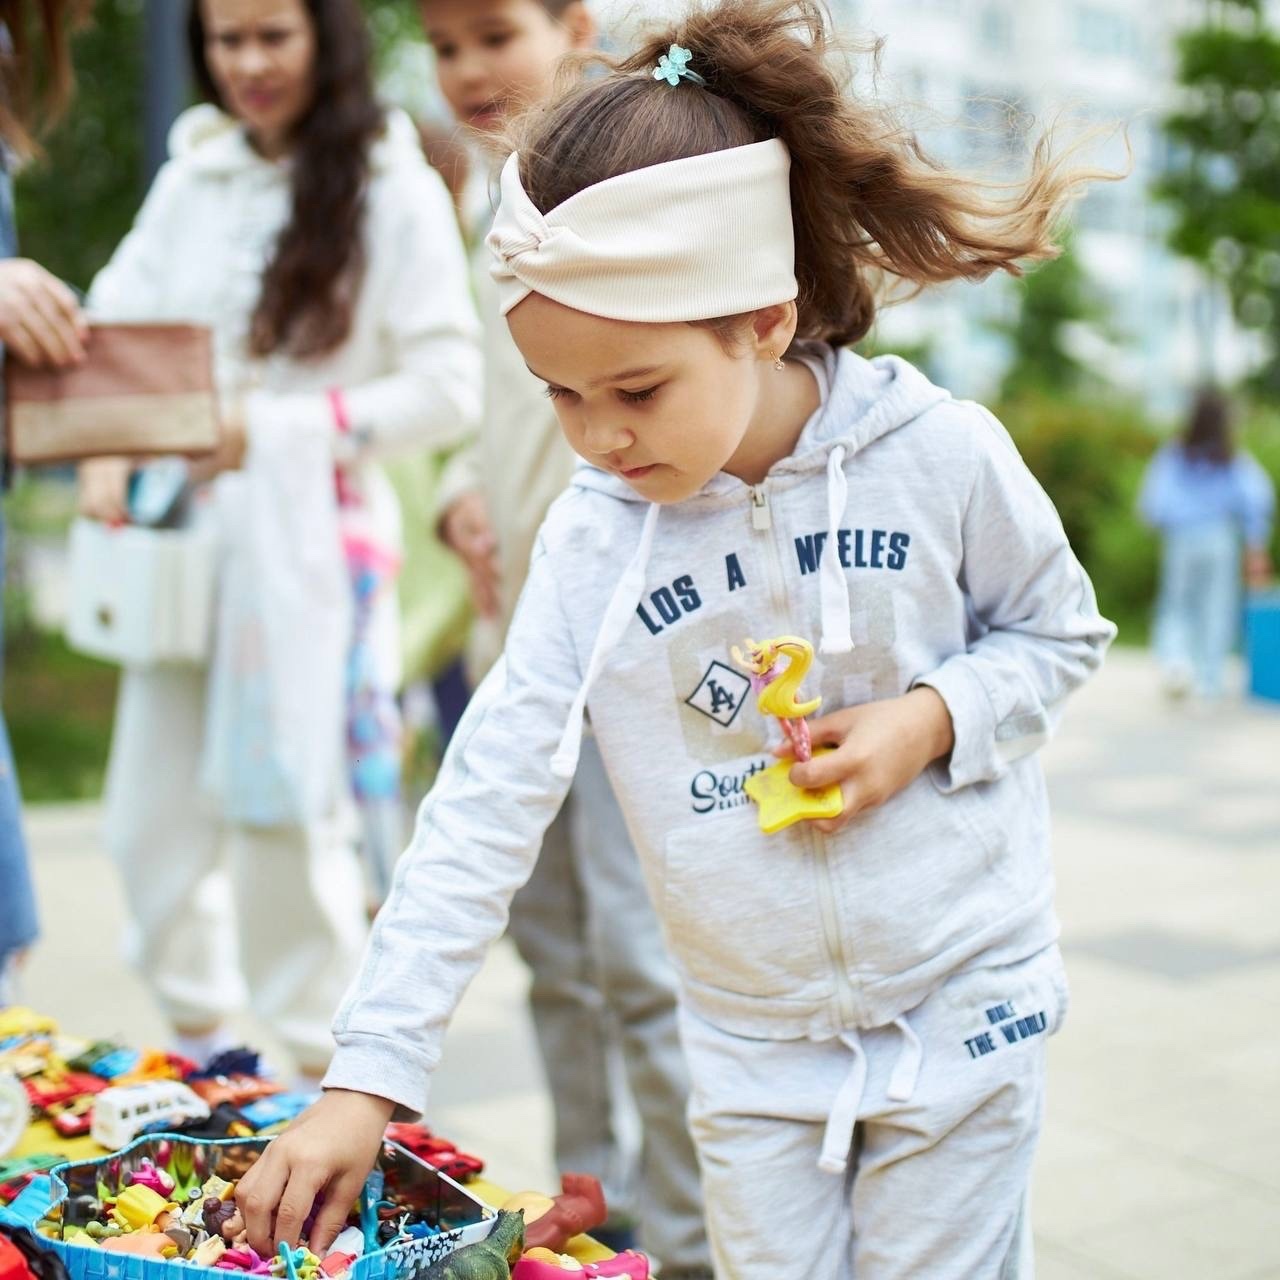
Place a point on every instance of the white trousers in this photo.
(935, 1119)
(222, 914)
(603, 992)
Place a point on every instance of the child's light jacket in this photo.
(954, 571)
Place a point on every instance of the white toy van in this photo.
(120, 1114)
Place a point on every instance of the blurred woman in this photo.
(1209, 500)
(303, 225)
(40, 323)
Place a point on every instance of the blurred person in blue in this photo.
(300, 221)
(40, 323)
(1213, 505)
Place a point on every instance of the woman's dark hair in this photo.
(1207, 436)
(35, 73)
(310, 287)
(867, 202)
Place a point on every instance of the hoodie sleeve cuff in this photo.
(974, 757)
(370, 1064)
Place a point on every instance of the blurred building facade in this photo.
(980, 79)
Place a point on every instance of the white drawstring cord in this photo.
(622, 604)
(832, 583)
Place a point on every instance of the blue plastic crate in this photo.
(1262, 644)
(472, 1219)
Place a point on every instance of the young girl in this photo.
(684, 246)
(598, 993)
(1209, 499)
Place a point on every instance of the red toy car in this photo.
(45, 1093)
(439, 1153)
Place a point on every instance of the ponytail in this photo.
(867, 202)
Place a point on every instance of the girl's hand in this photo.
(468, 532)
(329, 1149)
(880, 747)
(40, 319)
(104, 489)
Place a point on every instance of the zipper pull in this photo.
(760, 517)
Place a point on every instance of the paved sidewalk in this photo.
(1161, 1156)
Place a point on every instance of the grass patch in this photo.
(59, 707)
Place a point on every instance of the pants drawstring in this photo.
(837, 1141)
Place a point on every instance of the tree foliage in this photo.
(1223, 180)
(1052, 297)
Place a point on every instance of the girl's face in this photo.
(664, 406)
(496, 57)
(261, 55)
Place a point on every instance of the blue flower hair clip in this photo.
(673, 67)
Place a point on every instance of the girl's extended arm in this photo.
(1038, 633)
(476, 841)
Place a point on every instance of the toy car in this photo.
(237, 1090)
(15, 1174)
(17, 1021)
(121, 1113)
(276, 1110)
(75, 1118)
(47, 1091)
(439, 1153)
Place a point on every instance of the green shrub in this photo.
(1089, 456)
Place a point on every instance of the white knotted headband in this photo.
(705, 236)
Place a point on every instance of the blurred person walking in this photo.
(602, 987)
(302, 224)
(1209, 499)
(40, 323)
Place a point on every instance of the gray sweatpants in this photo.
(932, 1180)
(603, 992)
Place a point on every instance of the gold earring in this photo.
(777, 361)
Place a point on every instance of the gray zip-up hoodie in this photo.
(905, 523)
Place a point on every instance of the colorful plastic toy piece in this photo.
(53, 1088)
(147, 1175)
(552, 1223)
(17, 1020)
(138, 1207)
(439, 1153)
(542, 1264)
(489, 1259)
(781, 803)
(279, 1108)
(120, 1114)
(146, 1244)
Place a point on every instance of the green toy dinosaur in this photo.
(491, 1259)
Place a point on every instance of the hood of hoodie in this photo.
(212, 141)
(866, 399)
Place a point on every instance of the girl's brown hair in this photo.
(1208, 435)
(310, 287)
(35, 72)
(867, 201)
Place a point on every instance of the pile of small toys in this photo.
(181, 1135)
(173, 1198)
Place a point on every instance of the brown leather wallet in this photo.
(143, 389)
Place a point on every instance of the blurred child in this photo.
(1213, 504)
(684, 247)
(597, 988)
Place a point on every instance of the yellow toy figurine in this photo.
(777, 689)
